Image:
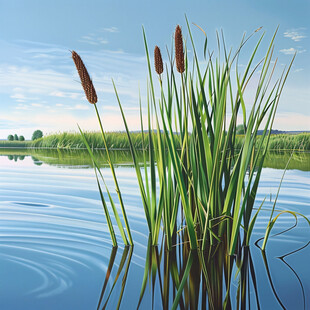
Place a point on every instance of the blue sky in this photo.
(39, 87)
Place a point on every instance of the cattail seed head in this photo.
(179, 54)
(86, 81)
(159, 68)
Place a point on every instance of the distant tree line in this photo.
(16, 138)
(37, 134)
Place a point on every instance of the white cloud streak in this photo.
(291, 51)
(295, 34)
(111, 29)
(93, 40)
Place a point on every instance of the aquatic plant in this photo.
(214, 184)
(192, 279)
(207, 178)
(92, 98)
(197, 179)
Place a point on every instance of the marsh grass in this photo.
(119, 141)
(282, 142)
(114, 140)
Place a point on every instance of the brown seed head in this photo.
(179, 54)
(159, 68)
(87, 83)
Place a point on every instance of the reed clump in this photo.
(212, 180)
(197, 176)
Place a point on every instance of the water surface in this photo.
(55, 249)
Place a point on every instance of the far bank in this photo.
(119, 141)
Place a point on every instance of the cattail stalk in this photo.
(179, 53)
(86, 81)
(159, 68)
(91, 96)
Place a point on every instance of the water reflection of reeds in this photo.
(194, 279)
(125, 261)
(80, 158)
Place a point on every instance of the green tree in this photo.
(16, 137)
(21, 138)
(10, 137)
(240, 129)
(37, 134)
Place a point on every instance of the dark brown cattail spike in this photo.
(159, 68)
(87, 83)
(179, 54)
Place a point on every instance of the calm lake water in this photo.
(55, 249)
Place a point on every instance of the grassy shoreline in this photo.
(119, 141)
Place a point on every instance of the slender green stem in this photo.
(114, 178)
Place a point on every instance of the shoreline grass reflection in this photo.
(80, 158)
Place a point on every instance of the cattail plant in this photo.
(91, 96)
(212, 182)
(198, 185)
(86, 81)
(208, 178)
(158, 61)
(179, 53)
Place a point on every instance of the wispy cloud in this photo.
(111, 29)
(295, 34)
(62, 94)
(97, 37)
(22, 107)
(291, 51)
(291, 121)
(49, 85)
(93, 40)
(33, 81)
(8, 122)
(77, 107)
(19, 97)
